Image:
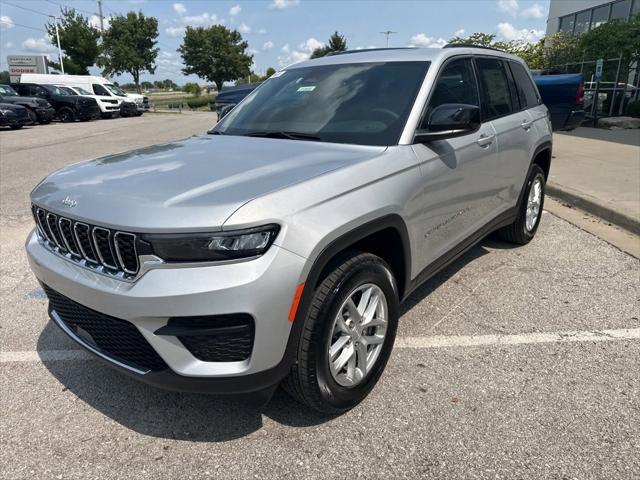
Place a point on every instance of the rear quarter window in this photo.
(524, 86)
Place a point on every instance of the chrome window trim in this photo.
(84, 254)
(119, 256)
(97, 248)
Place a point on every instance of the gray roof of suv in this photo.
(409, 54)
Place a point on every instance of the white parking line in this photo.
(437, 341)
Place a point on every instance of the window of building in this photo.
(566, 23)
(620, 10)
(600, 16)
(582, 22)
(635, 9)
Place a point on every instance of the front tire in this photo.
(524, 228)
(348, 335)
(66, 115)
(33, 116)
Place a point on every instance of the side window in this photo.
(497, 100)
(456, 84)
(100, 90)
(526, 90)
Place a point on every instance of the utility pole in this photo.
(388, 33)
(101, 18)
(55, 21)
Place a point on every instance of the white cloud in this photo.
(38, 45)
(261, 31)
(6, 22)
(268, 45)
(235, 10)
(292, 56)
(252, 51)
(174, 32)
(202, 19)
(310, 45)
(8, 45)
(508, 32)
(244, 28)
(510, 7)
(459, 33)
(179, 8)
(534, 12)
(422, 40)
(94, 21)
(282, 4)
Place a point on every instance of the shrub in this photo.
(633, 109)
(198, 102)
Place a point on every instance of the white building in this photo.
(577, 16)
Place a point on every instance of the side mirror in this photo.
(225, 110)
(450, 120)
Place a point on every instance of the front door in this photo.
(459, 194)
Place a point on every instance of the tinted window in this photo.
(360, 103)
(620, 10)
(497, 100)
(456, 84)
(582, 22)
(524, 86)
(100, 90)
(566, 23)
(600, 16)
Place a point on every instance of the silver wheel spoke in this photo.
(337, 347)
(373, 339)
(364, 301)
(371, 310)
(346, 355)
(354, 313)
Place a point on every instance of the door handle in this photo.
(485, 140)
(526, 124)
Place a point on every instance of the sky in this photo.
(280, 32)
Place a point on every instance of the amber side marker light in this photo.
(295, 302)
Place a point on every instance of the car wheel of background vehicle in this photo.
(529, 212)
(65, 114)
(348, 335)
(15, 127)
(138, 114)
(33, 116)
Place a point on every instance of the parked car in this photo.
(109, 108)
(278, 248)
(100, 87)
(38, 109)
(231, 96)
(68, 107)
(563, 94)
(13, 116)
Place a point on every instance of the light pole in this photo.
(388, 33)
(55, 21)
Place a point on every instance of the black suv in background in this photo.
(38, 109)
(13, 116)
(68, 107)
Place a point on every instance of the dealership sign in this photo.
(19, 64)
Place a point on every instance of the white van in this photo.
(99, 87)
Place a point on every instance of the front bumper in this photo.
(263, 288)
(11, 119)
(88, 113)
(45, 114)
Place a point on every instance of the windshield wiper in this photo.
(287, 135)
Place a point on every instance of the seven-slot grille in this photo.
(112, 251)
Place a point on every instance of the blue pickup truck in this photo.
(564, 97)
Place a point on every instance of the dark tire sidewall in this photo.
(338, 396)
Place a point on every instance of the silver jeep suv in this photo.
(277, 248)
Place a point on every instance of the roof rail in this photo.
(471, 45)
(365, 50)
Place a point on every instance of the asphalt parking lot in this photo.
(511, 363)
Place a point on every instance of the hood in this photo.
(11, 107)
(191, 185)
(22, 99)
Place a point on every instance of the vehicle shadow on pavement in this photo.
(164, 414)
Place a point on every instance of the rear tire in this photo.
(524, 228)
(334, 329)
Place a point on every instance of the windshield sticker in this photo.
(307, 89)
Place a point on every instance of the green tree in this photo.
(130, 46)
(215, 53)
(192, 88)
(337, 43)
(146, 85)
(78, 40)
(270, 71)
(5, 77)
(480, 39)
(615, 39)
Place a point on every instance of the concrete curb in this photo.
(606, 213)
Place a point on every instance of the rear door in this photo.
(459, 194)
(513, 127)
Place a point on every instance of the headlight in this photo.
(4, 111)
(138, 100)
(199, 247)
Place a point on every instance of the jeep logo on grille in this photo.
(69, 202)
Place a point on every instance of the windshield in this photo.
(81, 91)
(359, 103)
(56, 90)
(117, 90)
(6, 90)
